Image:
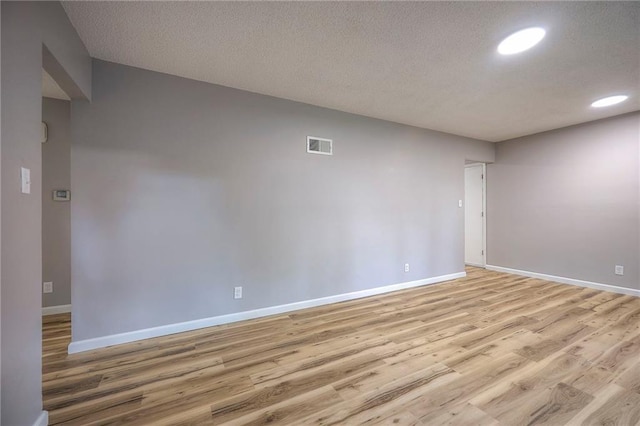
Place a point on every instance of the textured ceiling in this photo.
(50, 88)
(427, 64)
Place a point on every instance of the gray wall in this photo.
(26, 27)
(183, 190)
(565, 202)
(56, 215)
(1, 115)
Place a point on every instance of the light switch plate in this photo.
(47, 287)
(25, 179)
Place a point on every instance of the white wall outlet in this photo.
(47, 287)
(237, 292)
(459, 203)
(25, 180)
(406, 267)
(619, 270)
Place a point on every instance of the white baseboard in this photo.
(147, 333)
(564, 280)
(43, 419)
(52, 310)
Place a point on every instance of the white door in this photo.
(474, 215)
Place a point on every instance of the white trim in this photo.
(43, 419)
(484, 214)
(163, 330)
(52, 310)
(564, 280)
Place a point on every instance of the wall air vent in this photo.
(319, 145)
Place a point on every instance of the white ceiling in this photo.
(50, 88)
(427, 64)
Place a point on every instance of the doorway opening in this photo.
(475, 248)
(56, 220)
(56, 210)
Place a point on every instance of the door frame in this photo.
(484, 212)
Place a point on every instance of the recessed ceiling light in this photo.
(609, 100)
(521, 41)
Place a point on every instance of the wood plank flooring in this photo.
(489, 349)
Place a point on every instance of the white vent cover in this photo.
(319, 145)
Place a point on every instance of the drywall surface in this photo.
(565, 202)
(183, 190)
(26, 27)
(56, 215)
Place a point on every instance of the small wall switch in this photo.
(459, 203)
(406, 267)
(619, 270)
(25, 180)
(237, 292)
(47, 287)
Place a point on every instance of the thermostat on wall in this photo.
(61, 195)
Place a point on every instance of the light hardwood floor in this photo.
(488, 349)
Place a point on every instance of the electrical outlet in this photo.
(237, 293)
(406, 267)
(47, 287)
(619, 270)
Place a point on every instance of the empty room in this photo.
(319, 213)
